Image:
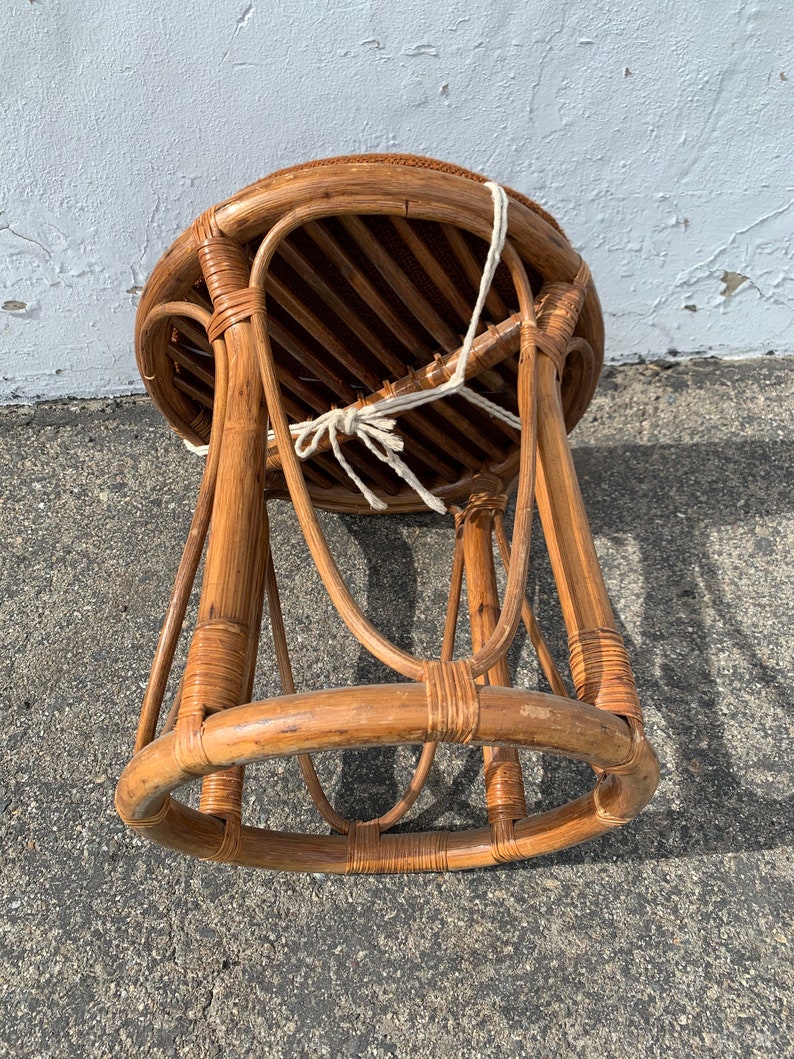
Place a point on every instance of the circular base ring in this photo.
(387, 715)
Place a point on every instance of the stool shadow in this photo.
(673, 501)
(639, 492)
(367, 784)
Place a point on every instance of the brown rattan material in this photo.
(337, 284)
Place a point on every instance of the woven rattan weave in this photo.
(339, 284)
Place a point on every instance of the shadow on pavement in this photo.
(671, 501)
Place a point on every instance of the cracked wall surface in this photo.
(658, 133)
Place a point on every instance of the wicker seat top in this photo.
(358, 301)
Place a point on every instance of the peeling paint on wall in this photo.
(653, 133)
(732, 281)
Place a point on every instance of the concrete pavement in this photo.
(671, 937)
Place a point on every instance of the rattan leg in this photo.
(504, 788)
(222, 655)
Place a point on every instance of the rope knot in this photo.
(373, 426)
(350, 420)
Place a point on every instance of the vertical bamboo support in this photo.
(232, 592)
(222, 656)
(599, 663)
(504, 788)
(580, 583)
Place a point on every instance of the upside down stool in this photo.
(380, 334)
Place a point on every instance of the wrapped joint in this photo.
(189, 750)
(453, 706)
(559, 311)
(552, 347)
(233, 308)
(481, 502)
(602, 674)
(224, 263)
(369, 853)
(558, 315)
(145, 823)
(487, 494)
(363, 846)
(222, 794)
(486, 484)
(505, 787)
(205, 227)
(230, 845)
(215, 667)
(212, 682)
(639, 748)
(601, 811)
(202, 424)
(504, 845)
(583, 279)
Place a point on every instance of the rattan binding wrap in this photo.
(336, 284)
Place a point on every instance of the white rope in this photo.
(199, 450)
(373, 424)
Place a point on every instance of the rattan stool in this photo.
(309, 332)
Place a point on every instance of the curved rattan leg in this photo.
(197, 534)
(504, 786)
(308, 771)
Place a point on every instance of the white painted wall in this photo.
(659, 132)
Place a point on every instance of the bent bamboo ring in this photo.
(386, 715)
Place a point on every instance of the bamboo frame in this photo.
(542, 355)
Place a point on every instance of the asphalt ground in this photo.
(669, 937)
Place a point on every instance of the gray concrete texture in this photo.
(670, 937)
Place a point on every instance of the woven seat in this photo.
(319, 334)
